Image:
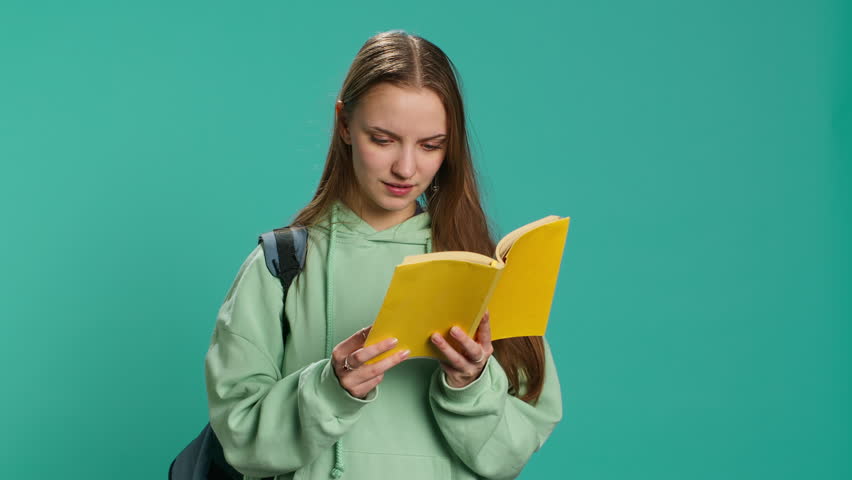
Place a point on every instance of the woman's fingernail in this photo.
(405, 353)
(394, 341)
(435, 338)
(456, 331)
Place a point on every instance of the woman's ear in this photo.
(341, 117)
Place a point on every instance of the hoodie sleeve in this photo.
(269, 424)
(492, 432)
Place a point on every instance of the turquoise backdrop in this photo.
(702, 148)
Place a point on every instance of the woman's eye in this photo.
(384, 141)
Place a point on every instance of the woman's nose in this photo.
(405, 165)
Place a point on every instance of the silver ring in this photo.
(480, 359)
(346, 365)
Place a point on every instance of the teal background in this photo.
(702, 149)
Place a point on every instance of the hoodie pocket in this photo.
(391, 465)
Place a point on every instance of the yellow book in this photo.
(433, 292)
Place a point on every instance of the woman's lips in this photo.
(398, 189)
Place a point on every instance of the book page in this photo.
(450, 255)
(506, 242)
(521, 302)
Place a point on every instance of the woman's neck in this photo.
(378, 218)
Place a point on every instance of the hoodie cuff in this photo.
(341, 401)
(489, 379)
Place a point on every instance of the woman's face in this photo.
(398, 143)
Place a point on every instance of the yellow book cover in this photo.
(433, 292)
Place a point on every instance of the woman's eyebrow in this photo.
(391, 134)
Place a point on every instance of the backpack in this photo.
(203, 458)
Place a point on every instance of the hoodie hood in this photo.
(349, 228)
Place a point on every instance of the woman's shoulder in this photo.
(254, 257)
(253, 274)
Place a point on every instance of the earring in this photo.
(434, 185)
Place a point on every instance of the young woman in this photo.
(398, 181)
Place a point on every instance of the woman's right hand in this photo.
(360, 379)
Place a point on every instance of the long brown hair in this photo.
(457, 217)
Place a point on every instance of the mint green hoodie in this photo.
(279, 410)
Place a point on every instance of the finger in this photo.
(471, 350)
(362, 355)
(454, 358)
(349, 345)
(362, 390)
(365, 332)
(483, 333)
(368, 372)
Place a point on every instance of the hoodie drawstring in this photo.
(337, 470)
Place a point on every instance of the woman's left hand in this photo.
(465, 365)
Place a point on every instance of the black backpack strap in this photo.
(284, 249)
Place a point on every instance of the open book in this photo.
(432, 292)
